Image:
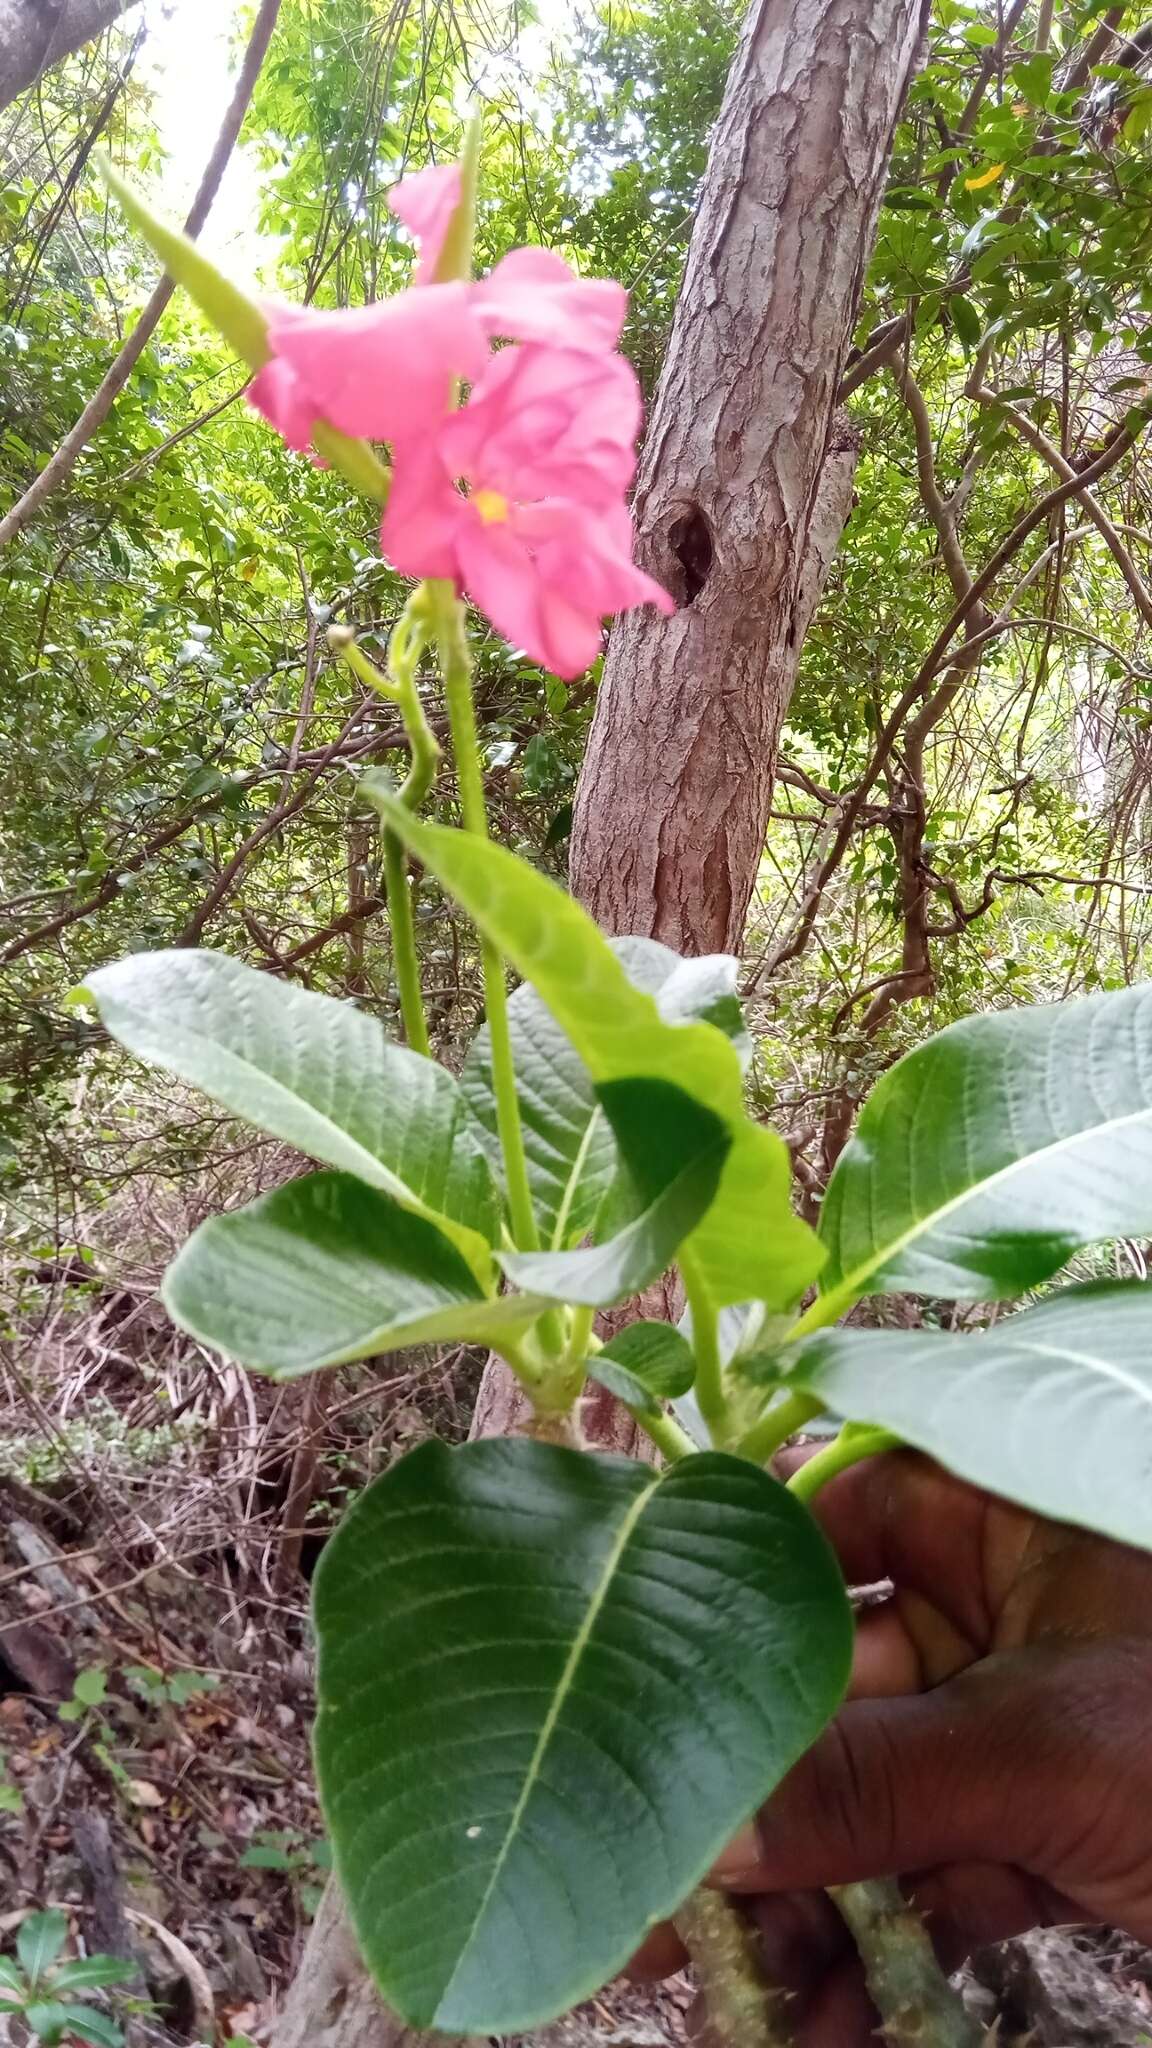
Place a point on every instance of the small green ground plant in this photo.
(553, 1684)
(39, 1990)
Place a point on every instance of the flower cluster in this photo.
(518, 495)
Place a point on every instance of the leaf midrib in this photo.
(852, 1283)
(580, 1643)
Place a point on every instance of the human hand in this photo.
(996, 1749)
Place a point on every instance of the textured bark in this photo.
(35, 34)
(738, 509)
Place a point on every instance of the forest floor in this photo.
(160, 1515)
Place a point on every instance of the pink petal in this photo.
(544, 422)
(503, 581)
(423, 515)
(425, 201)
(277, 392)
(384, 370)
(589, 549)
(533, 295)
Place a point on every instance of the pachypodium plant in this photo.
(553, 1683)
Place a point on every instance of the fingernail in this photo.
(741, 1858)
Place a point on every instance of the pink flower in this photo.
(377, 371)
(532, 295)
(542, 541)
(425, 201)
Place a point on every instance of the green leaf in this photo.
(673, 1149)
(985, 1158)
(645, 1365)
(966, 321)
(11, 1979)
(242, 323)
(326, 1270)
(751, 1246)
(1051, 1407)
(314, 1072)
(91, 1686)
(90, 1972)
(502, 1629)
(39, 1941)
(568, 1143)
(90, 2025)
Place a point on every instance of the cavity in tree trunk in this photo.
(736, 520)
(747, 473)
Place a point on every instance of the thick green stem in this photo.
(856, 1440)
(405, 958)
(666, 1433)
(457, 672)
(916, 2003)
(743, 2010)
(401, 688)
(709, 1382)
(782, 1421)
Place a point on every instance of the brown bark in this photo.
(35, 34)
(738, 510)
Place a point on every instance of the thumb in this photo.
(967, 1772)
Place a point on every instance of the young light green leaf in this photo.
(525, 1658)
(241, 321)
(750, 1246)
(39, 1941)
(1051, 1407)
(986, 1157)
(673, 1150)
(314, 1072)
(645, 1365)
(91, 1686)
(326, 1270)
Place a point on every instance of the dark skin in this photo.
(996, 1750)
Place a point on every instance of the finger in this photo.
(660, 1954)
(972, 1771)
(902, 1517)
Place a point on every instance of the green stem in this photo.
(405, 958)
(857, 1440)
(709, 1382)
(667, 1435)
(743, 2011)
(916, 2003)
(457, 672)
(825, 1310)
(782, 1421)
(401, 688)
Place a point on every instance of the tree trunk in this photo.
(738, 509)
(744, 490)
(35, 34)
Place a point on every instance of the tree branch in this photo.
(59, 467)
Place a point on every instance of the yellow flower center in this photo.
(492, 507)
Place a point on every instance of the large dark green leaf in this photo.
(326, 1270)
(315, 1072)
(751, 1246)
(1052, 1407)
(550, 1688)
(985, 1158)
(567, 1140)
(673, 1151)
